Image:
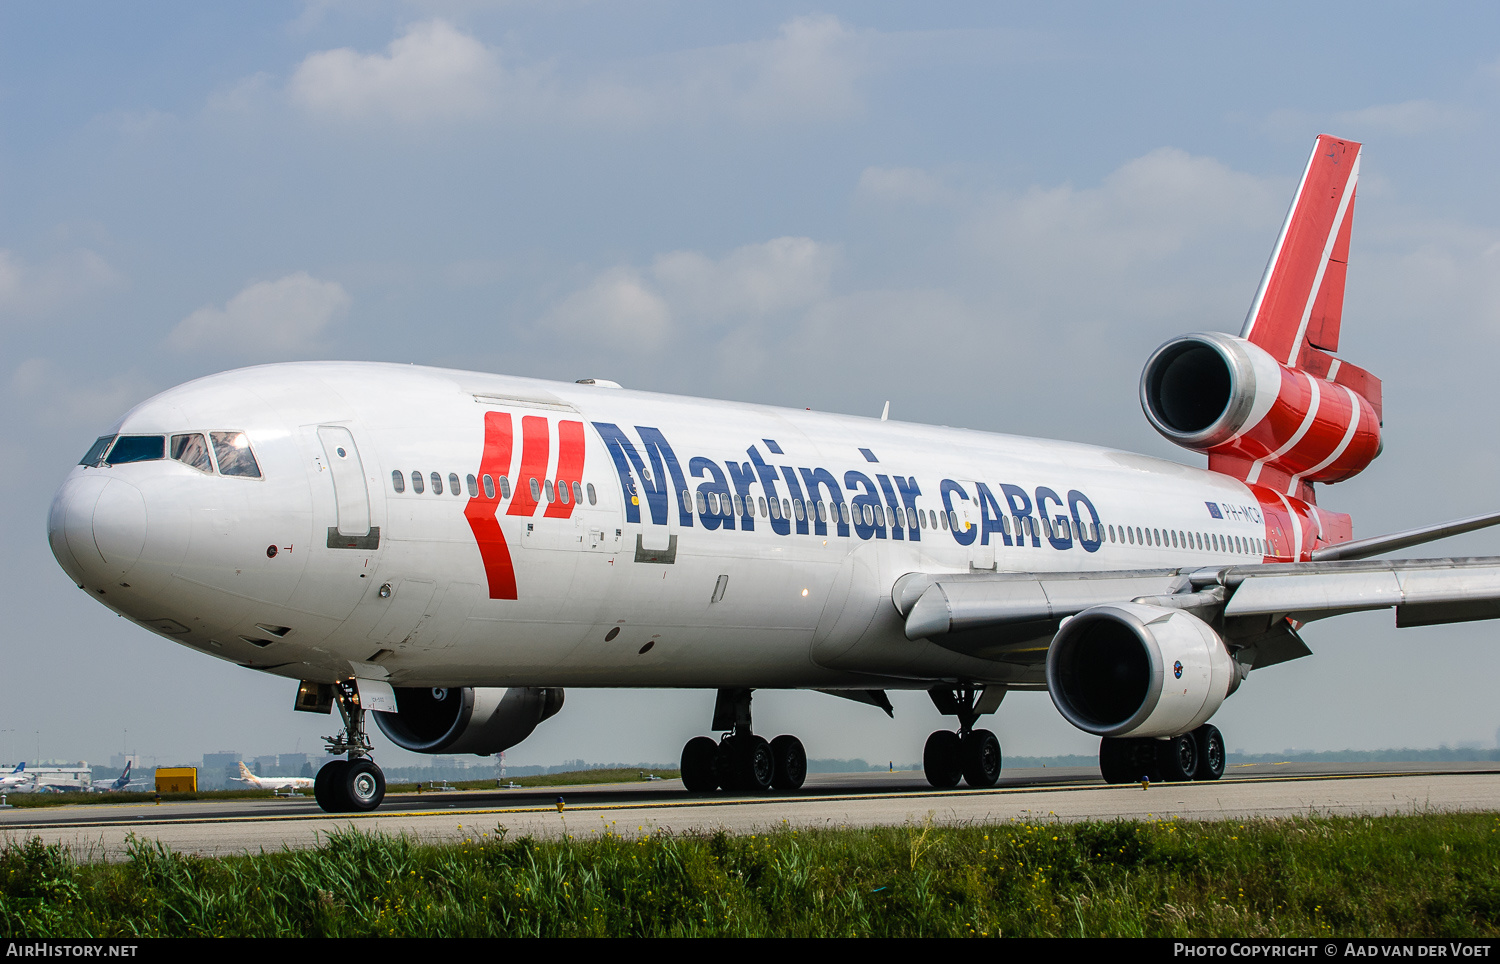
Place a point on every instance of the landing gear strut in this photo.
(1198, 755)
(356, 784)
(971, 755)
(741, 761)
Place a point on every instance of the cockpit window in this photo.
(97, 450)
(137, 448)
(234, 455)
(192, 450)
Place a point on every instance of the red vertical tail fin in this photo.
(1298, 309)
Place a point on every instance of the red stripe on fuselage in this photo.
(480, 511)
(569, 469)
(534, 454)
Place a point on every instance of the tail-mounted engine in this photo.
(1274, 425)
(478, 720)
(1130, 669)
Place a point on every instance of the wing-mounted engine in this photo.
(1130, 669)
(1256, 418)
(478, 720)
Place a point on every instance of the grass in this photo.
(1424, 875)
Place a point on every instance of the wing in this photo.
(1013, 616)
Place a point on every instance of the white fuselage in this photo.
(287, 572)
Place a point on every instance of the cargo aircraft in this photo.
(450, 549)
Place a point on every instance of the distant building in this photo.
(119, 760)
(219, 767)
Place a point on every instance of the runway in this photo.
(100, 831)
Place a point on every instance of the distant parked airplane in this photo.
(272, 783)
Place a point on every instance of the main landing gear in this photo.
(970, 755)
(1198, 755)
(356, 784)
(741, 761)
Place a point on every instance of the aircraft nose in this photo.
(97, 528)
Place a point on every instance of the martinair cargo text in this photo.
(449, 549)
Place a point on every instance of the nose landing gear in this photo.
(354, 785)
(741, 762)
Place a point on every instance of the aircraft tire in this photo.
(1210, 752)
(751, 764)
(790, 763)
(363, 786)
(326, 786)
(698, 765)
(1177, 758)
(941, 759)
(979, 757)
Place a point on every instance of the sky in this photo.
(988, 214)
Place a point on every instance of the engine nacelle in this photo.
(1228, 397)
(1130, 669)
(479, 720)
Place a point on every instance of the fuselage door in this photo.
(350, 491)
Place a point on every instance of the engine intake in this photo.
(479, 720)
(1130, 669)
(1227, 396)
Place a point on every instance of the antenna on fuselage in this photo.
(885, 413)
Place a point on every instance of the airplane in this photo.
(16, 778)
(449, 550)
(122, 782)
(278, 784)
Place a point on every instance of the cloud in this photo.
(37, 289)
(89, 403)
(617, 307)
(757, 279)
(811, 68)
(432, 71)
(266, 319)
(1140, 240)
(684, 290)
(901, 185)
(1407, 119)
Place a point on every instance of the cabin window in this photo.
(797, 510)
(822, 511)
(192, 450)
(762, 501)
(398, 481)
(687, 501)
(437, 484)
(592, 499)
(453, 485)
(489, 487)
(536, 490)
(416, 482)
(578, 493)
(775, 510)
(702, 503)
(504, 487)
(233, 452)
(473, 486)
